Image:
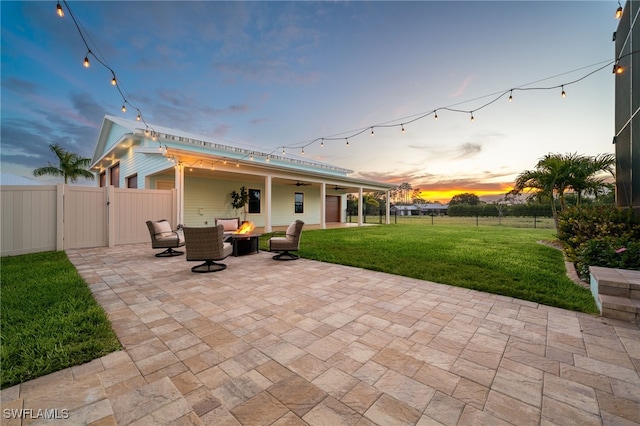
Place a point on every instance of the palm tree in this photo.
(70, 166)
(556, 173)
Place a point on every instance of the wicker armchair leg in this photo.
(169, 252)
(286, 256)
(209, 266)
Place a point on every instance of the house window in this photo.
(298, 202)
(132, 181)
(254, 201)
(102, 178)
(114, 176)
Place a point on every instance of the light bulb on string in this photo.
(435, 115)
(267, 159)
(402, 126)
(563, 94)
(472, 118)
(322, 142)
(283, 153)
(347, 141)
(511, 96)
(138, 118)
(237, 164)
(124, 108)
(302, 151)
(113, 81)
(372, 134)
(619, 11)
(617, 68)
(59, 10)
(86, 60)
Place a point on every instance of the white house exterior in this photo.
(283, 188)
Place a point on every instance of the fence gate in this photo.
(85, 217)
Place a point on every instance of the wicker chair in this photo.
(290, 242)
(206, 243)
(163, 237)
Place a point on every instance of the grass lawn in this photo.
(48, 317)
(496, 259)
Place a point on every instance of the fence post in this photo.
(535, 216)
(111, 215)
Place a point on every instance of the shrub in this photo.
(592, 236)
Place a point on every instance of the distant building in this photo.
(420, 209)
(627, 106)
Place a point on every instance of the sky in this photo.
(283, 74)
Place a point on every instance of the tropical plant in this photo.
(554, 174)
(240, 199)
(70, 166)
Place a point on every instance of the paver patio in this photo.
(304, 342)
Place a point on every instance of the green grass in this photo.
(500, 260)
(48, 317)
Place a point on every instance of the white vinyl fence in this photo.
(59, 217)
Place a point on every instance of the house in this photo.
(435, 209)
(428, 209)
(627, 119)
(282, 187)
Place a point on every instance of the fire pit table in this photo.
(245, 243)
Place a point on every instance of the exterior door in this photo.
(332, 208)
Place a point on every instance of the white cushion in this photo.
(229, 224)
(163, 229)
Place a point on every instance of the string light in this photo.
(435, 115)
(347, 139)
(86, 60)
(618, 10)
(472, 119)
(372, 132)
(402, 125)
(59, 10)
(563, 94)
(124, 108)
(617, 68)
(322, 142)
(511, 96)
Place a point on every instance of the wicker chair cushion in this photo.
(228, 224)
(163, 230)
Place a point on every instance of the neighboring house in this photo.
(405, 210)
(433, 209)
(282, 188)
(420, 209)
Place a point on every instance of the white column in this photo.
(179, 178)
(323, 205)
(388, 210)
(360, 207)
(267, 204)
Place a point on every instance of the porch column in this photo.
(267, 204)
(179, 178)
(388, 209)
(360, 207)
(323, 205)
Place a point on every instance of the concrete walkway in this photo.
(303, 342)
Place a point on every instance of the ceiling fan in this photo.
(339, 188)
(298, 183)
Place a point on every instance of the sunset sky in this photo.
(273, 74)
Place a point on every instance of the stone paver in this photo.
(294, 343)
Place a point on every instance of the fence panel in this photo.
(133, 207)
(28, 219)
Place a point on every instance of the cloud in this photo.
(468, 150)
(461, 88)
